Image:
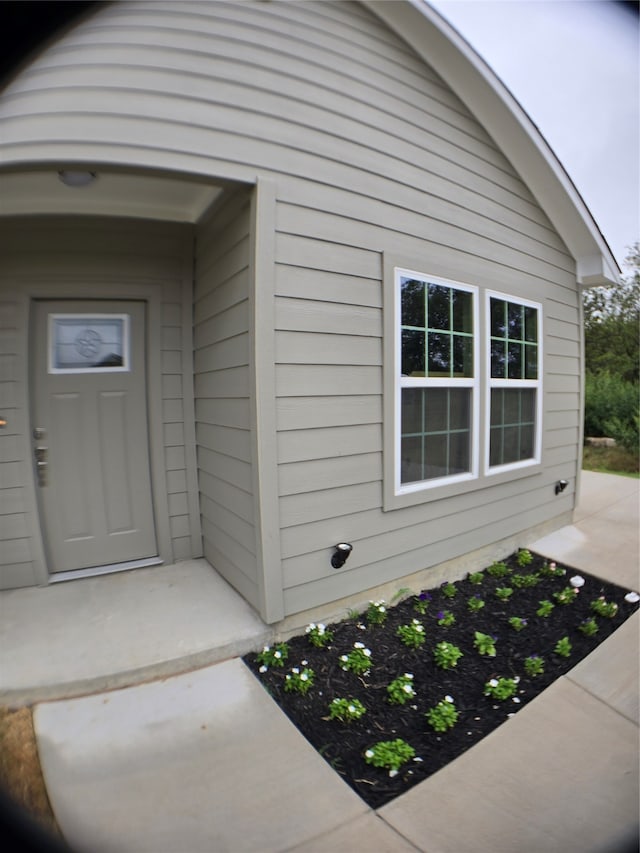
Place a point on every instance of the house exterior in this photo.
(276, 276)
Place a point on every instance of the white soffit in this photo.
(440, 45)
(111, 194)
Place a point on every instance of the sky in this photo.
(574, 67)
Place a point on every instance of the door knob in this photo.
(39, 433)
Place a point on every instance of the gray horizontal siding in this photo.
(222, 385)
(370, 153)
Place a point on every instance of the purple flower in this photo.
(424, 596)
(440, 614)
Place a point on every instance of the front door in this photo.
(90, 432)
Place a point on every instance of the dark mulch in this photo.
(343, 745)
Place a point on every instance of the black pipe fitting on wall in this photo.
(340, 555)
(561, 485)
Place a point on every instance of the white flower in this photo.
(393, 773)
(296, 670)
(382, 610)
(516, 700)
(362, 627)
(277, 654)
(494, 682)
(576, 581)
(448, 698)
(367, 653)
(358, 645)
(321, 628)
(351, 709)
(408, 689)
(369, 753)
(310, 627)
(266, 648)
(305, 662)
(344, 658)
(517, 679)
(304, 677)
(263, 668)
(632, 597)
(417, 759)
(408, 675)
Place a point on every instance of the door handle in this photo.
(40, 454)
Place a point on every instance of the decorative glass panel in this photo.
(81, 343)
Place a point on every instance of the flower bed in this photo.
(394, 694)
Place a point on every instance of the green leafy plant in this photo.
(534, 665)
(445, 618)
(412, 635)
(588, 627)
(319, 635)
(346, 710)
(498, 570)
(524, 558)
(274, 655)
(485, 644)
(501, 688)
(403, 592)
(449, 590)
(357, 661)
(566, 596)
(298, 681)
(421, 602)
(389, 754)
(524, 581)
(475, 578)
(400, 690)
(442, 716)
(563, 647)
(504, 593)
(376, 613)
(475, 603)
(545, 609)
(447, 655)
(602, 607)
(552, 570)
(517, 623)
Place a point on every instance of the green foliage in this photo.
(442, 716)
(298, 681)
(552, 570)
(376, 613)
(318, 635)
(566, 595)
(525, 581)
(346, 710)
(501, 688)
(588, 627)
(611, 406)
(475, 578)
(517, 623)
(412, 635)
(485, 644)
(475, 603)
(274, 655)
(400, 690)
(534, 665)
(446, 618)
(602, 607)
(421, 602)
(449, 590)
(504, 593)
(390, 754)
(498, 570)
(524, 558)
(357, 661)
(563, 647)
(446, 655)
(545, 609)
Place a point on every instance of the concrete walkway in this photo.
(205, 761)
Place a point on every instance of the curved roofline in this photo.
(484, 94)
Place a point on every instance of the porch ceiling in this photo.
(111, 194)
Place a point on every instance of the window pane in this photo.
(498, 359)
(459, 454)
(498, 318)
(438, 314)
(515, 313)
(435, 456)
(513, 425)
(527, 434)
(495, 451)
(436, 410)
(412, 298)
(528, 405)
(515, 361)
(511, 407)
(531, 324)
(497, 407)
(412, 353)
(439, 354)
(87, 343)
(411, 467)
(462, 356)
(412, 413)
(531, 361)
(462, 311)
(459, 408)
(511, 439)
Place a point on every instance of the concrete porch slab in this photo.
(560, 775)
(368, 834)
(200, 762)
(99, 633)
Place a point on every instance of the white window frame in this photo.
(402, 382)
(492, 383)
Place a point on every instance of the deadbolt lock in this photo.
(39, 433)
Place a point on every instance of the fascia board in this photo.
(471, 79)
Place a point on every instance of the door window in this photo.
(89, 343)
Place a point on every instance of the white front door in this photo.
(90, 432)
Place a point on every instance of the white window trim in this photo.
(536, 384)
(429, 382)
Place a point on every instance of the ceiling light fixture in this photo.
(77, 178)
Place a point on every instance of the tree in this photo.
(612, 324)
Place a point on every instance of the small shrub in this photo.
(412, 635)
(442, 716)
(421, 602)
(501, 688)
(357, 661)
(524, 581)
(524, 558)
(552, 570)
(389, 754)
(445, 618)
(601, 607)
(504, 593)
(447, 655)
(475, 603)
(376, 613)
(274, 655)
(485, 644)
(588, 627)
(545, 609)
(400, 690)
(298, 681)
(534, 665)
(475, 578)
(449, 590)
(517, 623)
(498, 570)
(346, 710)
(318, 635)
(563, 647)
(566, 595)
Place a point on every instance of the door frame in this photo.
(72, 285)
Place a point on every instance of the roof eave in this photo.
(511, 128)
